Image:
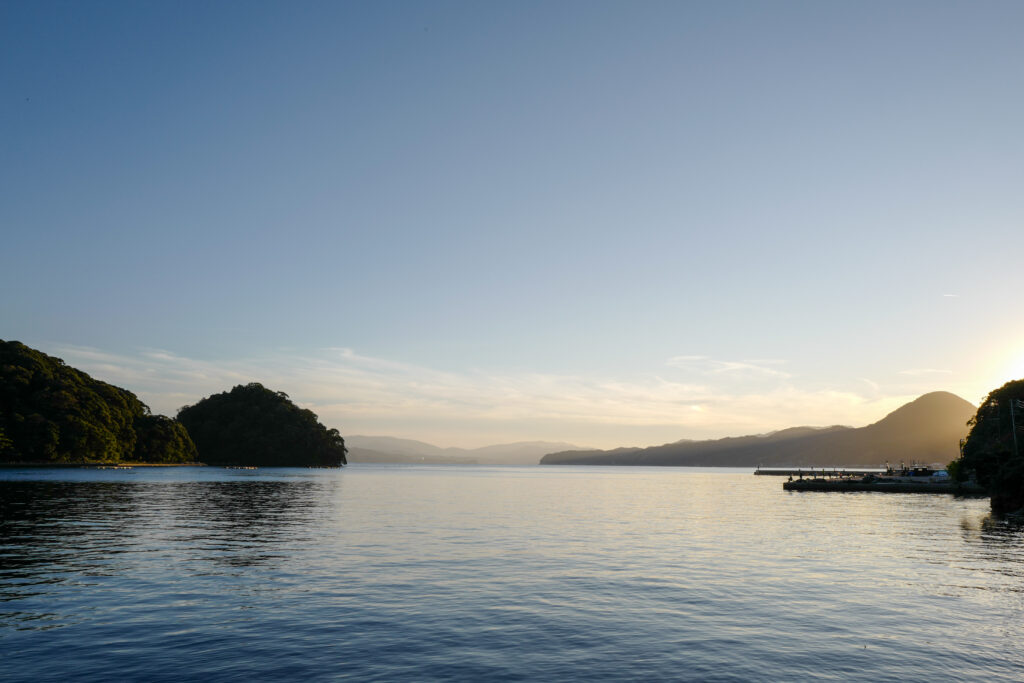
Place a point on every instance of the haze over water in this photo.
(538, 573)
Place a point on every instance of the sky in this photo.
(604, 223)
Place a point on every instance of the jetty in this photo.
(913, 479)
(884, 486)
(817, 472)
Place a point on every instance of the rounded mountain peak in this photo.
(926, 412)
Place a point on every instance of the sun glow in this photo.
(1014, 369)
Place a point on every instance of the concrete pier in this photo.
(964, 489)
(818, 472)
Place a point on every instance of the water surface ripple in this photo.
(500, 573)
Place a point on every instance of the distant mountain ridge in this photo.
(927, 429)
(389, 449)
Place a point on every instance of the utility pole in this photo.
(1013, 428)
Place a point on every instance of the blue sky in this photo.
(606, 223)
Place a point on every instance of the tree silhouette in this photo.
(994, 449)
(252, 425)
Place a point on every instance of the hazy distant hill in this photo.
(388, 449)
(927, 429)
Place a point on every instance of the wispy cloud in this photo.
(919, 372)
(364, 394)
(874, 386)
(711, 366)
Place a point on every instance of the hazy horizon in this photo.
(602, 223)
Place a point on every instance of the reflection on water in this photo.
(245, 523)
(60, 534)
(58, 527)
(473, 573)
(51, 530)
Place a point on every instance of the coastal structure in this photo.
(816, 471)
(913, 479)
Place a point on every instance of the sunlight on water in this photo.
(403, 572)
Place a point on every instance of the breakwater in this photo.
(817, 472)
(847, 484)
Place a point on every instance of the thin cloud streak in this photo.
(875, 386)
(363, 394)
(710, 366)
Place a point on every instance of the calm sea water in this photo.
(497, 573)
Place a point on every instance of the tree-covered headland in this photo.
(51, 413)
(252, 425)
(994, 448)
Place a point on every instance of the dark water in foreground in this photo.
(500, 573)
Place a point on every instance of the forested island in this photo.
(53, 414)
(252, 425)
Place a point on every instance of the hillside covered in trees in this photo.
(994, 449)
(52, 413)
(252, 425)
(927, 429)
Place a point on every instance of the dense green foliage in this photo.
(163, 440)
(990, 452)
(252, 425)
(52, 413)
